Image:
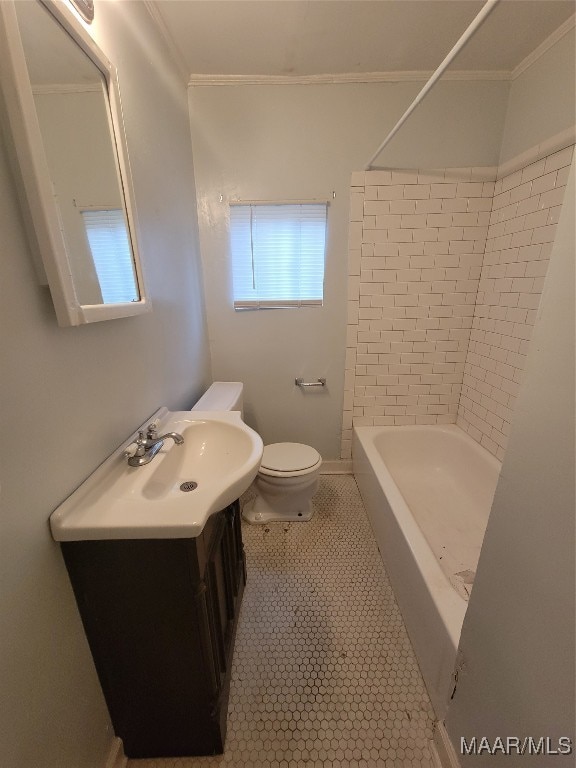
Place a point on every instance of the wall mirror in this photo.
(63, 106)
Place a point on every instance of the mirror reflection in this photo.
(70, 95)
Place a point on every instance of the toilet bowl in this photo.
(286, 481)
(288, 474)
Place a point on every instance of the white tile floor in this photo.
(324, 675)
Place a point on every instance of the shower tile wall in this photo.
(446, 269)
(417, 241)
(523, 221)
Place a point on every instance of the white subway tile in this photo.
(395, 192)
(433, 248)
(508, 212)
(400, 235)
(417, 191)
(465, 219)
(512, 180)
(405, 177)
(536, 269)
(443, 190)
(501, 200)
(533, 171)
(429, 206)
(413, 221)
(552, 197)
(562, 177)
(446, 234)
(439, 220)
(529, 205)
(521, 192)
(411, 249)
(469, 189)
(479, 204)
(388, 221)
(424, 235)
(554, 214)
(425, 319)
(559, 159)
(544, 234)
(518, 224)
(488, 188)
(376, 207)
(371, 193)
(386, 249)
(367, 289)
(544, 183)
(377, 178)
(475, 233)
(369, 222)
(516, 269)
(403, 206)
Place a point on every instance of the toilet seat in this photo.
(289, 460)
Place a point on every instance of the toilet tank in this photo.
(222, 396)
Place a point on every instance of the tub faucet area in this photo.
(146, 447)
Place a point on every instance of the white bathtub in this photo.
(428, 492)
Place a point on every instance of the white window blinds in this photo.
(278, 254)
(108, 240)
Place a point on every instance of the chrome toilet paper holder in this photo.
(305, 384)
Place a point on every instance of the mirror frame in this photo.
(48, 242)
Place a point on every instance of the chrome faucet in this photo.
(148, 446)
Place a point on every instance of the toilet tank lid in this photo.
(221, 396)
(289, 457)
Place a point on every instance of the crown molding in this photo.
(544, 46)
(342, 78)
(174, 51)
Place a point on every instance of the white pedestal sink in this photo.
(218, 460)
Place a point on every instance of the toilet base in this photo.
(258, 511)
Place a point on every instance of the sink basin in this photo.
(173, 495)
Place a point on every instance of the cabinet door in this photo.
(237, 561)
(220, 595)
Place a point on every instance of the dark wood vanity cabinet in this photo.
(160, 616)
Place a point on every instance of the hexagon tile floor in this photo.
(324, 675)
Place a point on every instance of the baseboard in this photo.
(442, 749)
(116, 756)
(336, 467)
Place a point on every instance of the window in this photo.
(110, 248)
(278, 254)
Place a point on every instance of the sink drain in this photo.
(190, 485)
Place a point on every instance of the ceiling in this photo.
(317, 37)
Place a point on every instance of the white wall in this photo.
(69, 396)
(517, 644)
(541, 102)
(303, 141)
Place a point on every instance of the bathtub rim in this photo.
(432, 609)
(449, 604)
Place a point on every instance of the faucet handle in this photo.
(138, 447)
(152, 433)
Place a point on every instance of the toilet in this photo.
(286, 481)
(288, 474)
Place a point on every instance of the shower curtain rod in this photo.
(488, 8)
